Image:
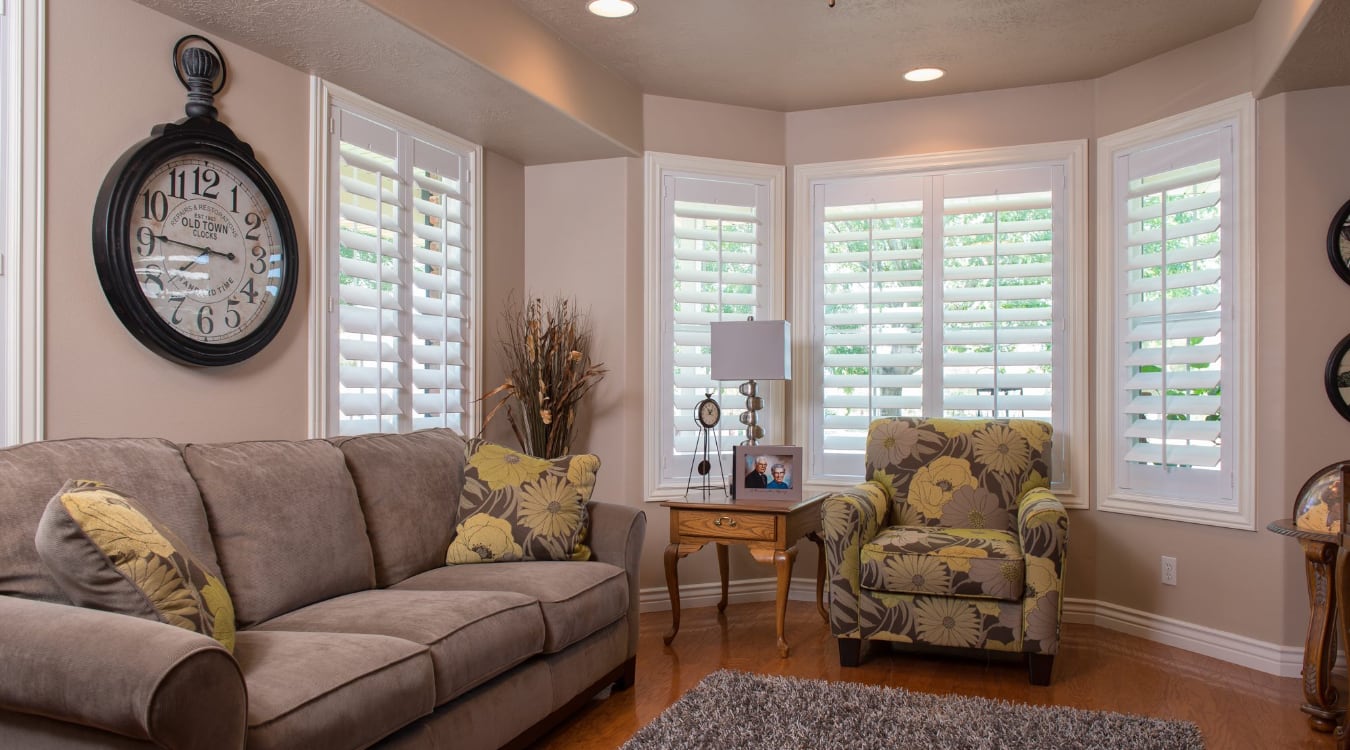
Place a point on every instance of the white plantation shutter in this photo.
(716, 260)
(1173, 234)
(935, 296)
(998, 329)
(400, 279)
(871, 311)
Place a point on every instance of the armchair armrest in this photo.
(133, 677)
(849, 519)
(617, 534)
(1043, 529)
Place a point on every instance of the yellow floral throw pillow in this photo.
(518, 507)
(107, 553)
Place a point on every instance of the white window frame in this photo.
(1239, 326)
(1072, 272)
(658, 374)
(323, 205)
(22, 215)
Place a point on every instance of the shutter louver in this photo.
(1171, 314)
(717, 251)
(401, 292)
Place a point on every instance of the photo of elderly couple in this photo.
(768, 472)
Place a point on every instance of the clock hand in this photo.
(203, 250)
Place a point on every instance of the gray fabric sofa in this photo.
(352, 631)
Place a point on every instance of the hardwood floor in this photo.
(1096, 669)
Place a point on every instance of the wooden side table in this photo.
(770, 530)
(1319, 650)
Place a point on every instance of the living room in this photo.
(564, 204)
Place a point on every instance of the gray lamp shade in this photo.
(752, 350)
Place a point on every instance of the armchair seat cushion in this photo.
(976, 563)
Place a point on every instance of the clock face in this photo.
(205, 247)
(708, 412)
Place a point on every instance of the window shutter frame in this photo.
(1187, 494)
(429, 315)
(1068, 382)
(669, 423)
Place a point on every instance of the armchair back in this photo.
(957, 473)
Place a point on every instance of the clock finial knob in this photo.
(198, 69)
(201, 68)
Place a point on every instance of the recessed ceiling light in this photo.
(612, 8)
(925, 74)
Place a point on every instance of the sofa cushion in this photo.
(575, 598)
(409, 488)
(518, 507)
(108, 553)
(331, 690)
(149, 469)
(983, 563)
(473, 635)
(286, 523)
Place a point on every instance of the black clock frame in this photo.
(1338, 233)
(111, 234)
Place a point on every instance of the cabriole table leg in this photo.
(1319, 653)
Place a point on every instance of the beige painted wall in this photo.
(1301, 304)
(1243, 582)
(108, 82)
(577, 227)
(715, 131)
(503, 269)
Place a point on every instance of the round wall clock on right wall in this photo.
(1338, 377)
(1338, 242)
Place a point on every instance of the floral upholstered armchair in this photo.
(953, 540)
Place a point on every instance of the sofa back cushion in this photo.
(147, 468)
(286, 522)
(409, 487)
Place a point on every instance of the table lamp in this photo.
(752, 350)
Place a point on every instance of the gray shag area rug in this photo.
(732, 710)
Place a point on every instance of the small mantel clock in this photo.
(193, 242)
(707, 413)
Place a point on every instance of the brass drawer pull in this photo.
(730, 521)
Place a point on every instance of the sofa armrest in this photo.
(617, 534)
(849, 519)
(134, 677)
(1043, 529)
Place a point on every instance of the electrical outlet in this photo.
(1169, 570)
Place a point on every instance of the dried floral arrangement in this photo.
(546, 351)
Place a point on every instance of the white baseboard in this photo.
(657, 599)
(1263, 656)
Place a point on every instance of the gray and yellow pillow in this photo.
(108, 553)
(518, 507)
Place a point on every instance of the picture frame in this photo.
(1338, 242)
(1338, 377)
(780, 464)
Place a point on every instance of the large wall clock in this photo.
(194, 245)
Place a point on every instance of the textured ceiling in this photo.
(791, 55)
(363, 50)
(786, 55)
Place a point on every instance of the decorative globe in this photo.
(1318, 507)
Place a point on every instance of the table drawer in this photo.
(727, 525)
